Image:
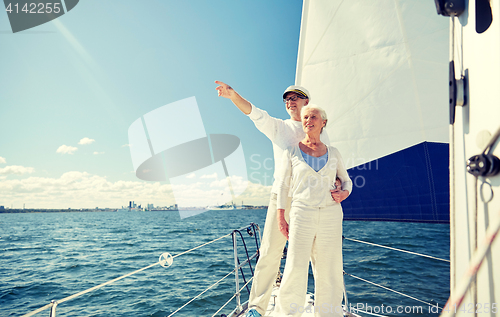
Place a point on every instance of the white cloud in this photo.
(66, 149)
(97, 153)
(192, 175)
(16, 169)
(83, 190)
(2, 160)
(255, 194)
(86, 141)
(237, 182)
(214, 175)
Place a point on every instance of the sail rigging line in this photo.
(459, 292)
(197, 296)
(246, 252)
(248, 259)
(253, 225)
(452, 169)
(226, 276)
(88, 290)
(39, 310)
(202, 245)
(476, 229)
(492, 141)
(400, 250)
(460, 49)
(452, 206)
(232, 297)
(240, 267)
(368, 313)
(389, 289)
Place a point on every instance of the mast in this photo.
(474, 132)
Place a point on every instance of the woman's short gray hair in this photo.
(321, 111)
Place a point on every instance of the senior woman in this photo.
(309, 169)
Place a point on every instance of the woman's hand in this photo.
(339, 195)
(282, 224)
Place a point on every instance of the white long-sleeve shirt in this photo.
(306, 186)
(283, 133)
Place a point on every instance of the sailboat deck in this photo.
(307, 307)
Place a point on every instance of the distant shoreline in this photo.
(17, 211)
(27, 211)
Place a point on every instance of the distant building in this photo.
(2, 208)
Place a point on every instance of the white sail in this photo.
(379, 68)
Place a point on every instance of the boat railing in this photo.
(384, 287)
(347, 307)
(252, 230)
(166, 260)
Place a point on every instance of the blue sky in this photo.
(95, 70)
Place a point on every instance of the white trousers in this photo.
(314, 232)
(271, 250)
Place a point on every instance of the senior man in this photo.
(282, 133)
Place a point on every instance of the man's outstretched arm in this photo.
(226, 91)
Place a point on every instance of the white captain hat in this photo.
(299, 90)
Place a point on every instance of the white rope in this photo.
(39, 310)
(232, 297)
(116, 279)
(400, 250)
(208, 242)
(90, 290)
(386, 288)
(368, 313)
(229, 300)
(458, 294)
(201, 245)
(104, 284)
(192, 299)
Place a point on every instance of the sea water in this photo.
(49, 256)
